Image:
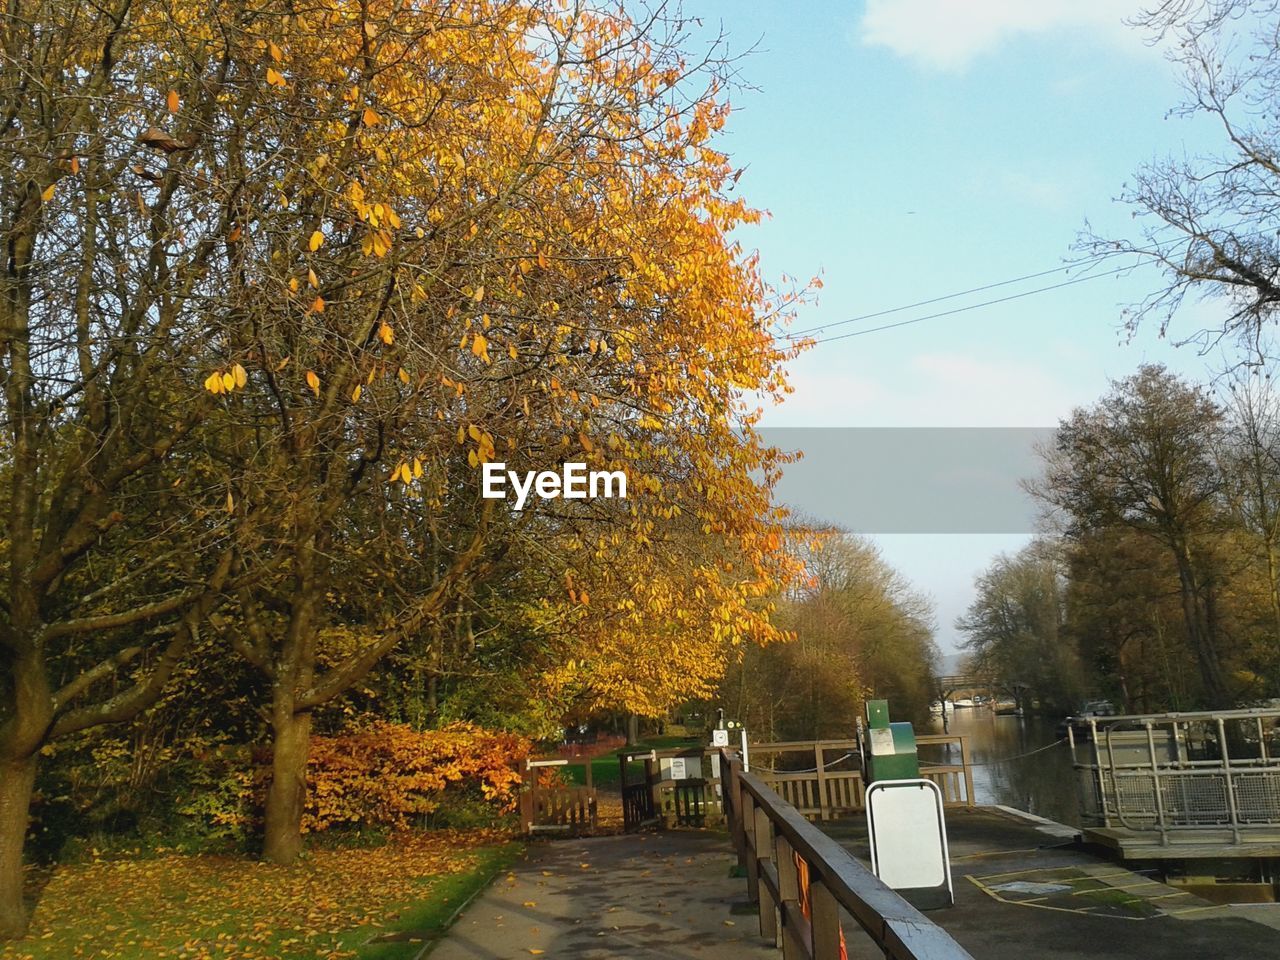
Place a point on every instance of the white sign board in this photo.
(719, 738)
(909, 836)
(881, 741)
(678, 769)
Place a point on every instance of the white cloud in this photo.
(949, 34)
(932, 390)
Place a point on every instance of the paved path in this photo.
(1025, 892)
(660, 895)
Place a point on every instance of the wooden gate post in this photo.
(820, 762)
(533, 795)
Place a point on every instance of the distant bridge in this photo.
(968, 685)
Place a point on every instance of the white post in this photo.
(746, 761)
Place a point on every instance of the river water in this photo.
(1011, 768)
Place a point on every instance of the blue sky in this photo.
(908, 149)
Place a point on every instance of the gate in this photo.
(672, 790)
(639, 808)
(557, 808)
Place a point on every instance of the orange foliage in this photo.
(389, 773)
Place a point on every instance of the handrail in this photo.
(1180, 794)
(801, 879)
(1242, 713)
(954, 778)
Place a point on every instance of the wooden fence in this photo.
(804, 882)
(830, 788)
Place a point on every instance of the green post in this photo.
(890, 747)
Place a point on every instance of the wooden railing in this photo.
(804, 882)
(823, 792)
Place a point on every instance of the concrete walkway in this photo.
(660, 895)
(1024, 891)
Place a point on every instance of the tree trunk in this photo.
(1200, 635)
(17, 780)
(287, 795)
(633, 730)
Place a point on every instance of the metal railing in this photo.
(828, 789)
(803, 881)
(1179, 772)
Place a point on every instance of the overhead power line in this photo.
(794, 334)
(964, 309)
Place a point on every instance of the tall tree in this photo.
(1143, 458)
(1015, 627)
(857, 630)
(111, 558)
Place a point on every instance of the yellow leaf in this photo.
(317, 238)
(213, 383)
(480, 346)
(47, 194)
(386, 334)
(228, 381)
(173, 101)
(404, 375)
(235, 233)
(370, 117)
(513, 352)
(231, 502)
(472, 458)
(238, 374)
(313, 279)
(479, 294)
(274, 51)
(275, 78)
(75, 165)
(417, 467)
(355, 394)
(293, 284)
(313, 382)
(282, 364)
(317, 305)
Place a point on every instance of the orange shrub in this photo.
(389, 773)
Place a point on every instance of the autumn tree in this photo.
(856, 630)
(1124, 617)
(1015, 627)
(1249, 459)
(281, 280)
(1143, 459)
(110, 554)
(469, 233)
